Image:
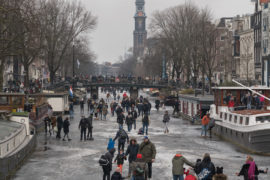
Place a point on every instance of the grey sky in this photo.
(114, 33)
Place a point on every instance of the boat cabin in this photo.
(240, 97)
(191, 105)
(58, 101)
(12, 101)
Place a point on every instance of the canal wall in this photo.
(10, 164)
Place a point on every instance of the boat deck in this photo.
(251, 112)
(7, 128)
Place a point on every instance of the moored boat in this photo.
(247, 123)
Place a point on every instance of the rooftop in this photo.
(7, 128)
(251, 112)
(242, 88)
(199, 97)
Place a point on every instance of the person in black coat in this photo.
(129, 121)
(245, 169)
(82, 105)
(83, 126)
(47, 123)
(132, 152)
(134, 115)
(206, 168)
(107, 169)
(59, 126)
(119, 110)
(66, 125)
(90, 127)
(122, 137)
(120, 119)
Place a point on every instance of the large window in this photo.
(3, 100)
(16, 100)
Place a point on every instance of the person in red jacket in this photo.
(205, 122)
(231, 104)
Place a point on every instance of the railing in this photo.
(233, 118)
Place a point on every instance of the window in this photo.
(3, 100)
(222, 37)
(230, 118)
(235, 119)
(140, 39)
(265, 5)
(241, 120)
(16, 100)
(247, 121)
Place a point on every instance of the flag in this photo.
(78, 63)
(70, 91)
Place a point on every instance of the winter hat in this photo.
(139, 156)
(178, 155)
(145, 137)
(219, 170)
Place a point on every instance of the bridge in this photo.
(93, 87)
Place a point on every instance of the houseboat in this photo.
(191, 105)
(31, 113)
(247, 128)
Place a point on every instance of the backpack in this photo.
(122, 134)
(140, 131)
(103, 161)
(204, 174)
(139, 170)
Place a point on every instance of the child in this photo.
(116, 175)
(190, 174)
(120, 160)
(110, 144)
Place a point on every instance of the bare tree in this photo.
(208, 47)
(83, 54)
(62, 22)
(9, 13)
(30, 43)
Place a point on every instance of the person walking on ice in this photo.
(166, 119)
(148, 151)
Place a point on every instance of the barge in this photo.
(249, 128)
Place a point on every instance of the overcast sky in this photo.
(114, 33)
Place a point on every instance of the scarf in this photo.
(251, 170)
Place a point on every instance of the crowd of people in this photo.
(140, 156)
(247, 100)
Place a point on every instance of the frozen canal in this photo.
(55, 159)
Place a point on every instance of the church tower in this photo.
(140, 33)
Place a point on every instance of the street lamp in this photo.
(73, 74)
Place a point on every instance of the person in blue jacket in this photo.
(110, 144)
